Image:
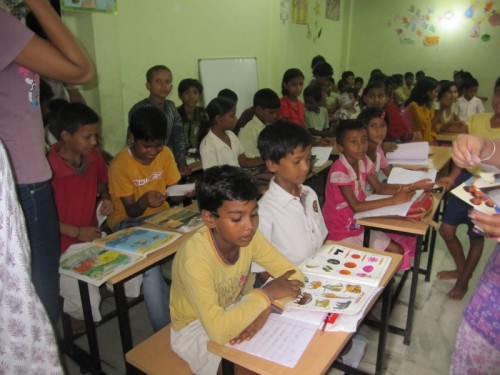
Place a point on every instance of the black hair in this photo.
(359, 80)
(266, 98)
(313, 91)
(348, 89)
(374, 85)
(288, 76)
(341, 85)
(228, 94)
(46, 92)
(224, 183)
(323, 69)
(316, 60)
(419, 92)
(375, 71)
(217, 107)
(72, 116)
(370, 113)
(398, 79)
(497, 84)
(148, 124)
(188, 83)
(346, 74)
(444, 86)
(332, 80)
(409, 74)
(420, 74)
(345, 126)
(280, 138)
(378, 76)
(154, 69)
(469, 83)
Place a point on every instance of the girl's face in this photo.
(190, 97)
(449, 97)
(377, 130)
(227, 121)
(432, 95)
(294, 87)
(311, 104)
(376, 97)
(355, 145)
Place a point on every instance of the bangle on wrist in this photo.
(78, 234)
(493, 152)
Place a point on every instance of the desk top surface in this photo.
(322, 350)
(446, 137)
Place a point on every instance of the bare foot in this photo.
(457, 293)
(448, 275)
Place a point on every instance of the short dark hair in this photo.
(151, 71)
(314, 91)
(359, 79)
(347, 73)
(369, 113)
(280, 138)
(469, 83)
(323, 69)
(409, 74)
(188, 83)
(228, 94)
(148, 124)
(266, 98)
(72, 116)
(345, 126)
(224, 183)
(316, 60)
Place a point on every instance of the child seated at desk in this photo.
(290, 215)
(218, 144)
(210, 271)
(316, 116)
(138, 177)
(80, 177)
(266, 104)
(345, 193)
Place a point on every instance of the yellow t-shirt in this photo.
(129, 177)
(204, 286)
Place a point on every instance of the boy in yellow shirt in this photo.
(210, 271)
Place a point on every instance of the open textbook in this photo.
(341, 280)
(178, 218)
(414, 153)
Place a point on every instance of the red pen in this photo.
(330, 318)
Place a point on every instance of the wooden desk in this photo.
(446, 137)
(323, 348)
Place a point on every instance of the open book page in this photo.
(482, 195)
(138, 240)
(322, 154)
(282, 340)
(405, 176)
(313, 317)
(392, 210)
(414, 153)
(178, 218)
(94, 264)
(179, 190)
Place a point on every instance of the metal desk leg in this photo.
(384, 326)
(413, 291)
(123, 322)
(227, 367)
(366, 237)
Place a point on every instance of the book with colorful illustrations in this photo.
(482, 194)
(341, 280)
(177, 218)
(138, 240)
(95, 264)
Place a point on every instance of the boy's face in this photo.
(355, 145)
(234, 223)
(358, 85)
(311, 104)
(160, 85)
(409, 81)
(146, 151)
(83, 140)
(328, 88)
(375, 98)
(266, 115)
(292, 169)
(350, 80)
(495, 100)
(190, 97)
(470, 93)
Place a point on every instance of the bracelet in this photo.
(493, 152)
(78, 235)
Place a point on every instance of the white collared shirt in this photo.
(294, 225)
(214, 151)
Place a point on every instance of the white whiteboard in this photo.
(237, 74)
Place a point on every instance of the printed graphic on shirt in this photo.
(31, 80)
(143, 181)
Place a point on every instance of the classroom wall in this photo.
(375, 43)
(177, 33)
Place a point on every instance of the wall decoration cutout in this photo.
(108, 6)
(284, 11)
(482, 13)
(414, 24)
(300, 11)
(431, 40)
(332, 10)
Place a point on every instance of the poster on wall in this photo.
(332, 11)
(300, 11)
(107, 6)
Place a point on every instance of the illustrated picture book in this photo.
(341, 280)
(178, 218)
(95, 264)
(483, 195)
(138, 240)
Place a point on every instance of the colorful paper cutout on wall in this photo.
(300, 11)
(284, 11)
(478, 12)
(332, 10)
(431, 40)
(415, 23)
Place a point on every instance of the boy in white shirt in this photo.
(469, 104)
(290, 214)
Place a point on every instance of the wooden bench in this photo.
(154, 356)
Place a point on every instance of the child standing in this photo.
(290, 216)
(218, 144)
(316, 117)
(266, 105)
(291, 108)
(418, 113)
(469, 104)
(138, 177)
(345, 193)
(159, 85)
(190, 92)
(210, 271)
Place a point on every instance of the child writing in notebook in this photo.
(345, 193)
(291, 108)
(212, 267)
(218, 144)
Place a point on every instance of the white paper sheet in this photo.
(405, 176)
(322, 155)
(415, 153)
(393, 210)
(100, 217)
(179, 190)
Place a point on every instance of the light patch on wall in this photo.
(449, 20)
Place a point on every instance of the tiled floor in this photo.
(436, 322)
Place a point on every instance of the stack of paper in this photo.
(415, 153)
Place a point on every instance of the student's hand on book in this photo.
(402, 197)
(106, 208)
(153, 198)
(446, 182)
(281, 287)
(489, 224)
(253, 328)
(425, 184)
(89, 234)
(389, 146)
